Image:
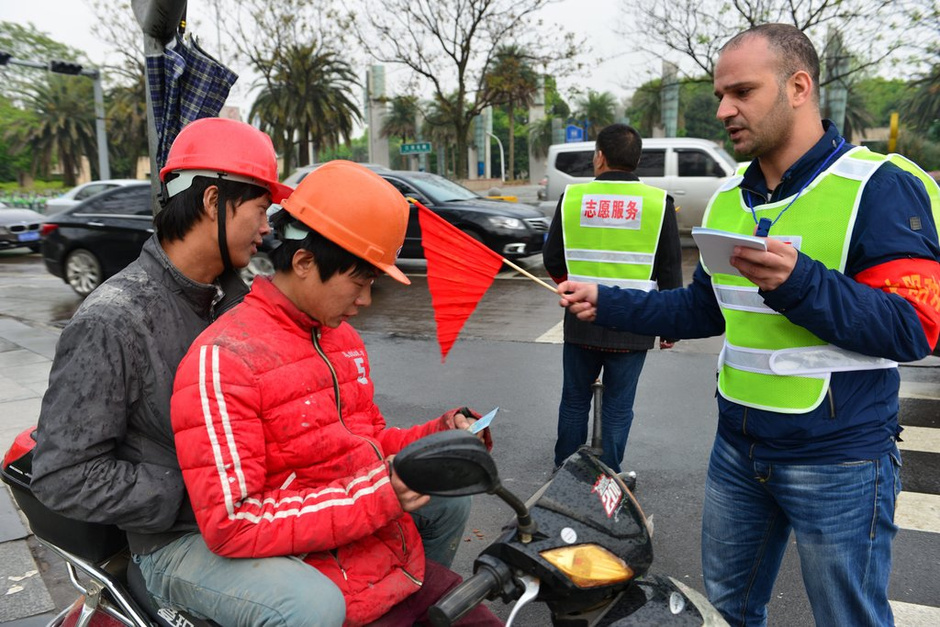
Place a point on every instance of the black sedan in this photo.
(513, 230)
(97, 238)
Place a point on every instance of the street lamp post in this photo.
(502, 164)
(74, 69)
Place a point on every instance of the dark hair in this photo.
(184, 210)
(795, 50)
(331, 258)
(621, 145)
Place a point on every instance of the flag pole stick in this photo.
(531, 276)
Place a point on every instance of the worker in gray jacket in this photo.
(105, 449)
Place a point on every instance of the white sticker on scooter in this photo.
(173, 617)
(569, 535)
(610, 493)
(676, 603)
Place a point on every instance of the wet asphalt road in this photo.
(505, 356)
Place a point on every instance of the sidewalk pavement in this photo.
(25, 359)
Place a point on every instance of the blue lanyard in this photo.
(764, 224)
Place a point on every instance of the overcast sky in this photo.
(70, 22)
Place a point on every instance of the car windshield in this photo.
(439, 188)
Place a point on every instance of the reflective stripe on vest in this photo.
(611, 231)
(767, 361)
(808, 360)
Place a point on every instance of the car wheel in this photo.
(260, 264)
(82, 271)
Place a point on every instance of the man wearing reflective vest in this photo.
(848, 286)
(617, 231)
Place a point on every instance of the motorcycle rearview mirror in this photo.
(447, 463)
(456, 463)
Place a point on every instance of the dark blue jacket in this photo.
(859, 419)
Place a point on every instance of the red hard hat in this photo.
(216, 147)
(357, 209)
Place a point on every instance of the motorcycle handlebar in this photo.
(466, 596)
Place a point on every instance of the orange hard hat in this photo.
(355, 208)
(223, 148)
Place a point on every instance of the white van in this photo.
(689, 169)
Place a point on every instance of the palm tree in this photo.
(271, 115)
(511, 80)
(540, 136)
(440, 128)
(329, 111)
(923, 109)
(857, 116)
(65, 128)
(306, 100)
(645, 109)
(597, 109)
(127, 125)
(400, 119)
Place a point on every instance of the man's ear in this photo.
(210, 202)
(303, 263)
(801, 88)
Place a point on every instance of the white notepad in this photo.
(716, 247)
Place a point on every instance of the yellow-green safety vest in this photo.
(768, 362)
(611, 232)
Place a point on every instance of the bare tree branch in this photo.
(450, 43)
(696, 29)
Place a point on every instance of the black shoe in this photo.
(629, 479)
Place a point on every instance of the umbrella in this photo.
(186, 84)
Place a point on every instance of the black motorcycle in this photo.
(581, 545)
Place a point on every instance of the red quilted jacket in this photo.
(274, 465)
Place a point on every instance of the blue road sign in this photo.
(574, 133)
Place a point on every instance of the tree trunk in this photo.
(303, 156)
(288, 155)
(69, 175)
(460, 144)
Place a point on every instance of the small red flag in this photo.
(460, 270)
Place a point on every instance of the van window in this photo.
(694, 162)
(576, 163)
(652, 163)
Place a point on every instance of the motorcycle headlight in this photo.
(504, 222)
(588, 565)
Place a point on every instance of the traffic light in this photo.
(65, 67)
(5, 57)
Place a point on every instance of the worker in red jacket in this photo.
(283, 449)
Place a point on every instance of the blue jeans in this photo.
(843, 519)
(276, 591)
(581, 368)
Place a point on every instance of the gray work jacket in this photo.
(105, 450)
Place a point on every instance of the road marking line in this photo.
(911, 615)
(920, 439)
(919, 389)
(555, 335)
(918, 511)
